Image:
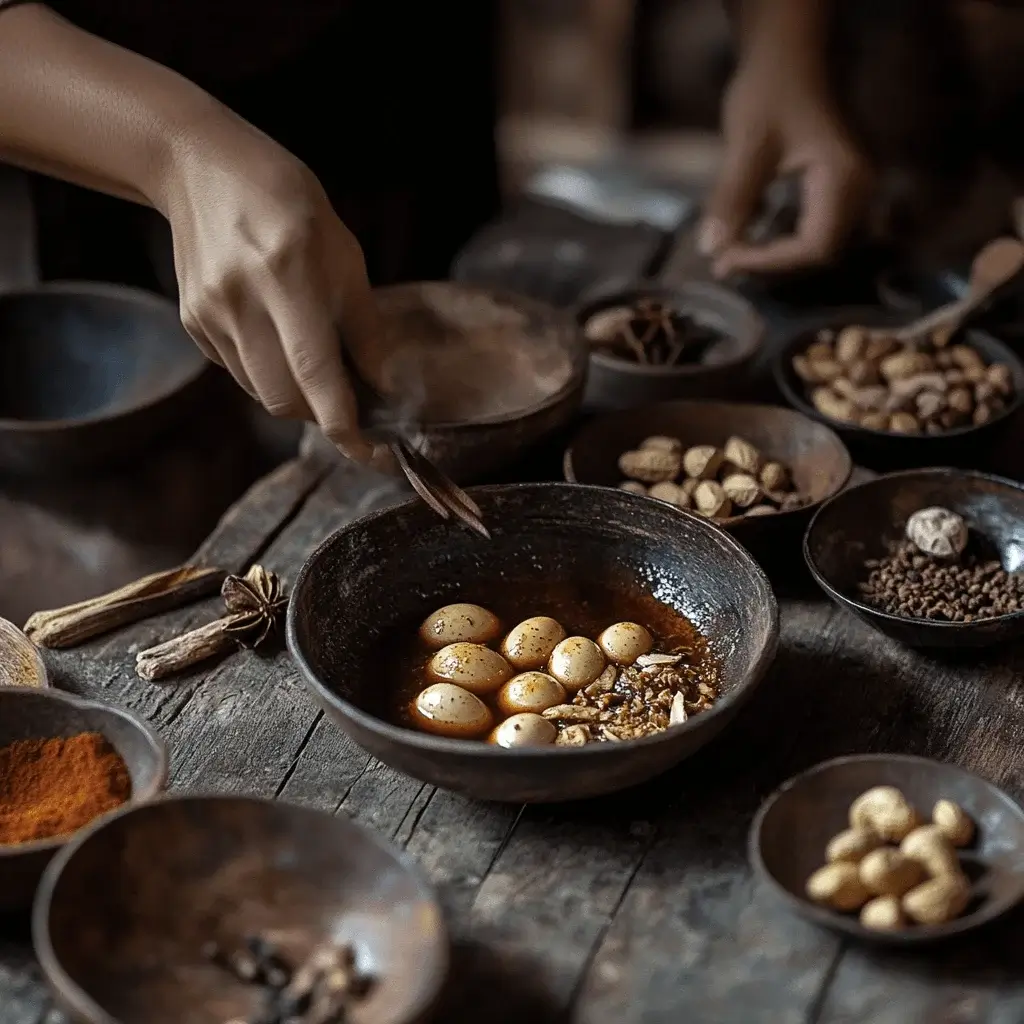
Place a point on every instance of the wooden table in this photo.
(634, 908)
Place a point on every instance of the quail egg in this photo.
(624, 642)
(524, 731)
(530, 691)
(449, 710)
(530, 644)
(459, 623)
(472, 666)
(576, 662)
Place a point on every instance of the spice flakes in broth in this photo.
(633, 702)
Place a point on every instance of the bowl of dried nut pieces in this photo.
(938, 401)
(891, 848)
(757, 470)
(652, 342)
(930, 557)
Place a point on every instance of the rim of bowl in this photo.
(43, 901)
(694, 293)
(146, 796)
(876, 613)
(796, 343)
(160, 392)
(851, 926)
(578, 352)
(440, 744)
(570, 474)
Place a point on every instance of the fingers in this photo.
(832, 197)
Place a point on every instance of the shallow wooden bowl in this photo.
(819, 461)
(858, 524)
(354, 593)
(123, 913)
(44, 714)
(21, 664)
(793, 827)
(619, 384)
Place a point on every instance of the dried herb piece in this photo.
(151, 595)
(254, 603)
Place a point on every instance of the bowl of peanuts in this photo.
(940, 400)
(891, 848)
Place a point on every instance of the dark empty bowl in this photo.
(369, 586)
(819, 461)
(89, 373)
(883, 449)
(46, 714)
(123, 913)
(614, 383)
(860, 522)
(793, 827)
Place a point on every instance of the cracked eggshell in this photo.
(529, 645)
(459, 623)
(472, 666)
(448, 710)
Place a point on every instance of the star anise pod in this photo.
(259, 598)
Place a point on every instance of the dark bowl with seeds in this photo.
(223, 908)
(588, 556)
(935, 408)
(649, 343)
(857, 550)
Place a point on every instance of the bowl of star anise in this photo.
(653, 342)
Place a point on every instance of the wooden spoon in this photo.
(994, 266)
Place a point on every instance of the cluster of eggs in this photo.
(536, 667)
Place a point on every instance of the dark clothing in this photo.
(394, 112)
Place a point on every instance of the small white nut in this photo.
(953, 822)
(743, 455)
(938, 900)
(774, 476)
(741, 489)
(852, 846)
(670, 492)
(932, 849)
(883, 914)
(938, 531)
(633, 486)
(650, 466)
(662, 444)
(887, 872)
(703, 461)
(837, 886)
(884, 810)
(711, 500)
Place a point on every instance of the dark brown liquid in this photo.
(404, 657)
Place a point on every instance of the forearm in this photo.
(79, 108)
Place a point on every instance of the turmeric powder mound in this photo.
(54, 787)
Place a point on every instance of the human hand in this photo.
(779, 120)
(271, 282)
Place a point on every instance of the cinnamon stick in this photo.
(191, 648)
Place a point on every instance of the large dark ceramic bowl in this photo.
(793, 827)
(859, 523)
(89, 374)
(123, 914)
(885, 450)
(372, 583)
(615, 383)
(819, 461)
(45, 714)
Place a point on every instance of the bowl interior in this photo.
(33, 714)
(819, 461)
(712, 306)
(126, 912)
(794, 827)
(795, 390)
(589, 556)
(71, 354)
(859, 523)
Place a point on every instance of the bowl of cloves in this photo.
(651, 342)
(237, 910)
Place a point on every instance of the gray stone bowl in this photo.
(379, 576)
(46, 714)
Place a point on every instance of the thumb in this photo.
(746, 171)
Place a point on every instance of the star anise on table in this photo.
(258, 599)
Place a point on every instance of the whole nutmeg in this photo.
(743, 455)
(938, 531)
(953, 822)
(662, 444)
(711, 500)
(837, 886)
(774, 476)
(741, 489)
(851, 344)
(883, 914)
(703, 461)
(650, 465)
(670, 492)
(938, 900)
(633, 486)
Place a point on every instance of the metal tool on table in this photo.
(383, 424)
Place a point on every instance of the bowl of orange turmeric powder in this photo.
(64, 763)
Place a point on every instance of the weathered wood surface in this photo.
(635, 908)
